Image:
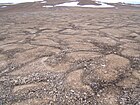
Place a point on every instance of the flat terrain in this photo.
(69, 56)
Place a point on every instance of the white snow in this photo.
(44, 2)
(3, 6)
(70, 4)
(48, 6)
(98, 6)
(75, 4)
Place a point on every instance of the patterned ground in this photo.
(70, 56)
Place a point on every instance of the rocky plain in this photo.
(69, 55)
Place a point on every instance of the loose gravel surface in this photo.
(69, 56)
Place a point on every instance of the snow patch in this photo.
(3, 6)
(70, 4)
(43, 2)
(98, 6)
(48, 6)
(75, 4)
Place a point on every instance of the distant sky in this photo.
(110, 1)
(17, 1)
(126, 1)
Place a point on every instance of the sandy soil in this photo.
(69, 56)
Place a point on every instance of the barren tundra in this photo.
(69, 56)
